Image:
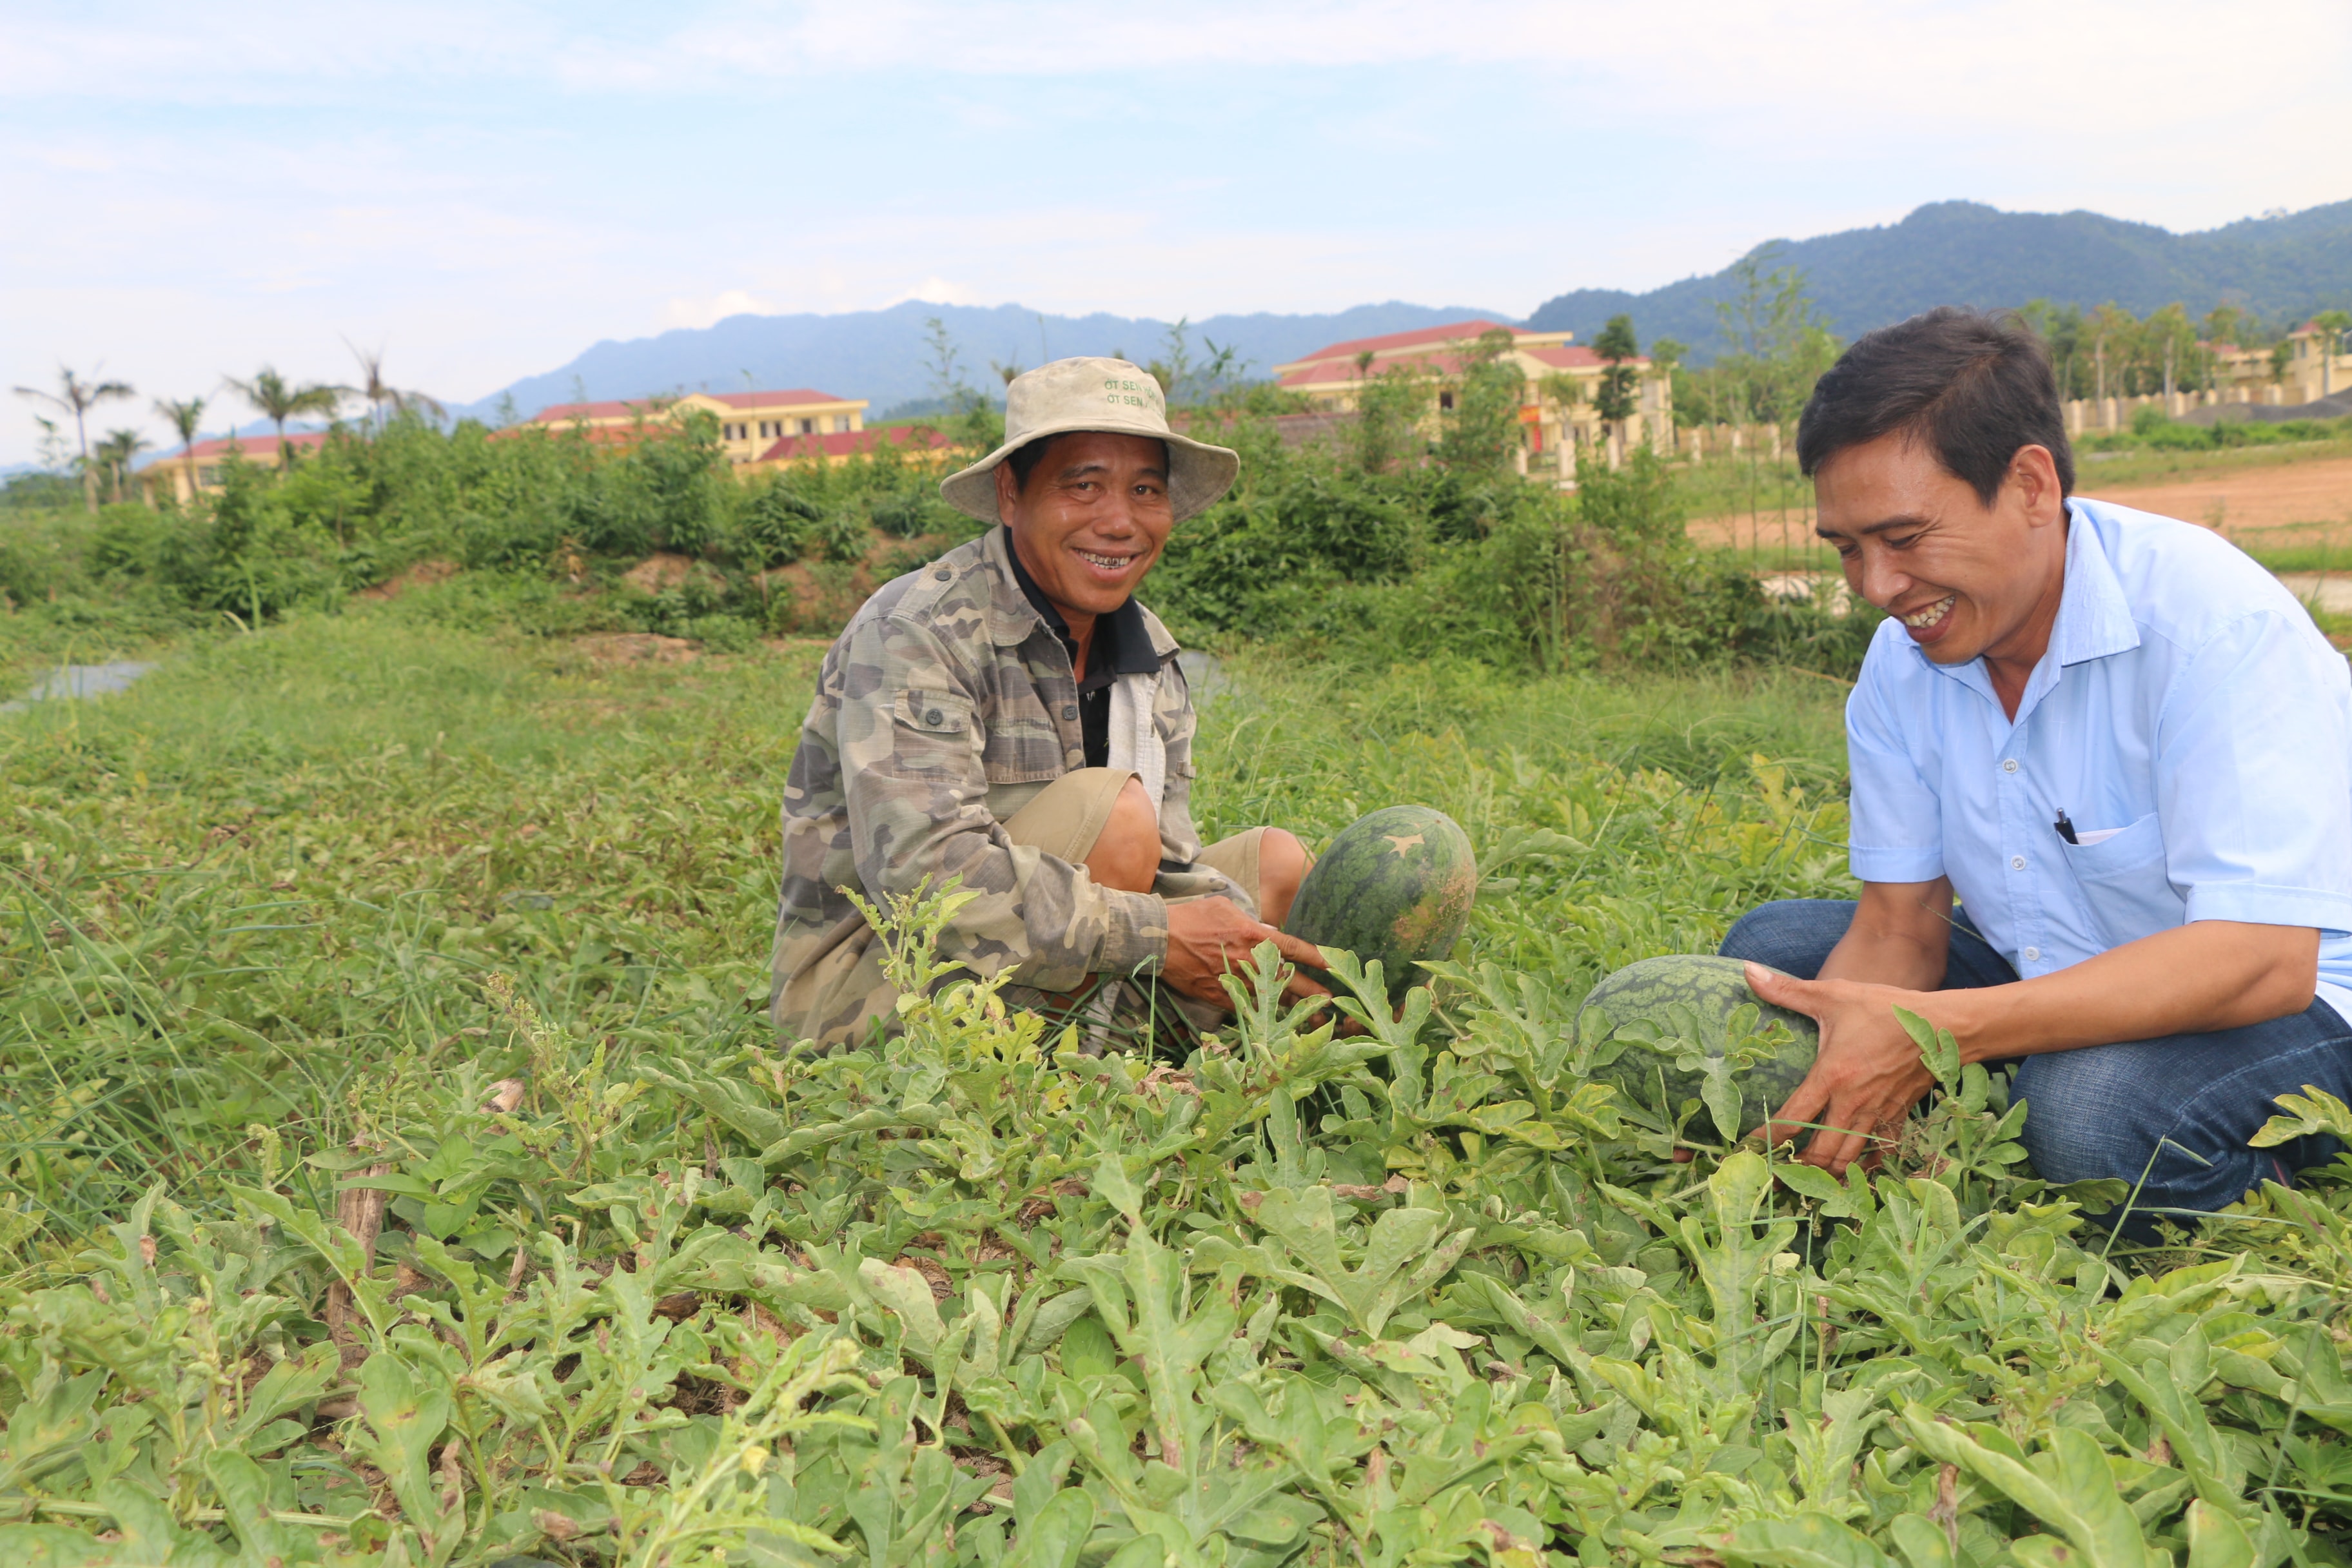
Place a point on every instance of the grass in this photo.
(2153, 465)
(370, 918)
(1761, 508)
(371, 778)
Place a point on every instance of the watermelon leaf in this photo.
(2313, 1111)
(1937, 1049)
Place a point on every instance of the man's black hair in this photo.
(1973, 386)
(1024, 459)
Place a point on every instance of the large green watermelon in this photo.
(1395, 886)
(1657, 1028)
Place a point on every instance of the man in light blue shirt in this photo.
(2122, 745)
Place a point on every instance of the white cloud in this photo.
(934, 291)
(716, 306)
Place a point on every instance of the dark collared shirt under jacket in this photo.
(1121, 646)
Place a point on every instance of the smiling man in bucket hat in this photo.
(1010, 718)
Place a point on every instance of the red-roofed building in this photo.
(920, 442)
(749, 422)
(1563, 382)
(182, 474)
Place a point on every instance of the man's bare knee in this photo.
(1282, 864)
(1127, 854)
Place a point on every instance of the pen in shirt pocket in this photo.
(2066, 829)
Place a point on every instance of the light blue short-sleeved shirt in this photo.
(2189, 719)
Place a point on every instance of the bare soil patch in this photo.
(2246, 500)
(662, 569)
(2275, 505)
(636, 647)
(823, 594)
(421, 575)
(1770, 529)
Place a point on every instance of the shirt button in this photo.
(2033, 956)
(1071, 711)
(2009, 764)
(933, 717)
(2017, 862)
(943, 574)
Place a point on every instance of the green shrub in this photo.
(722, 634)
(1414, 549)
(910, 514)
(2152, 431)
(778, 524)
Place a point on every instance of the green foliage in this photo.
(38, 491)
(2151, 431)
(1775, 346)
(1391, 410)
(1415, 537)
(1616, 345)
(526, 510)
(1426, 559)
(2108, 352)
(1480, 431)
(470, 937)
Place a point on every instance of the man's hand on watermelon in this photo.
(1866, 1076)
(2202, 977)
(1209, 938)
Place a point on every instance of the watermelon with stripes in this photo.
(1665, 1025)
(1395, 886)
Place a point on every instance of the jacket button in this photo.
(1071, 711)
(933, 717)
(943, 574)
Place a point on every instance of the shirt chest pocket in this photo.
(2125, 880)
(1022, 745)
(941, 715)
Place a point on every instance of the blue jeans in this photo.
(2179, 1108)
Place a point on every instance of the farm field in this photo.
(2288, 506)
(2235, 499)
(396, 1169)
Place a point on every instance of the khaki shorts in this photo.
(836, 999)
(1067, 816)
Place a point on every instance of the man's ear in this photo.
(2034, 472)
(1008, 493)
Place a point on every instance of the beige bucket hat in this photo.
(1107, 395)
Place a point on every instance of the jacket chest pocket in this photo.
(1022, 748)
(2126, 883)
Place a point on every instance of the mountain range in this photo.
(885, 356)
(2276, 266)
(1963, 253)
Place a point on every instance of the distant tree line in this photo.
(105, 466)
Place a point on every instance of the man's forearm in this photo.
(1901, 936)
(2194, 979)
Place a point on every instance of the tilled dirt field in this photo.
(2274, 506)
(2300, 496)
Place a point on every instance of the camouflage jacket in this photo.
(945, 706)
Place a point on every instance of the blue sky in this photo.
(485, 189)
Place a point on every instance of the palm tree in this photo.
(77, 397)
(115, 454)
(184, 417)
(378, 393)
(278, 402)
